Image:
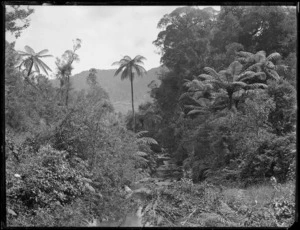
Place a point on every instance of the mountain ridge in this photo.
(118, 90)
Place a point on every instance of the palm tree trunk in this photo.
(132, 102)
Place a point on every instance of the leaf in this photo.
(11, 212)
(212, 72)
(29, 50)
(141, 133)
(42, 52)
(274, 57)
(196, 111)
(146, 140)
(89, 187)
(142, 154)
(235, 68)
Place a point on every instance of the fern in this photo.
(146, 140)
(274, 57)
(141, 133)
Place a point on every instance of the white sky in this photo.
(107, 32)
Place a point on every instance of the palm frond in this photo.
(43, 65)
(48, 55)
(140, 70)
(139, 59)
(42, 52)
(120, 69)
(126, 73)
(29, 50)
(36, 66)
(22, 53)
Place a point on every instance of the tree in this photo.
(129, 67)
(33, 60)
(13, 16)
(226, 86)
(260, 63)
(92, 77)
(64, 66)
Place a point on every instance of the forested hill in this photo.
(118, 90)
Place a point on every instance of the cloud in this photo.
(107, 32)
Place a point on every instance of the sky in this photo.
(107, 32)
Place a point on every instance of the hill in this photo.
(118, 90)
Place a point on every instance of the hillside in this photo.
(118, 90)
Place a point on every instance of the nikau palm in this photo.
(33, 60)
(129, 68)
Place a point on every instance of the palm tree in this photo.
(33, 60)
(129, 67)
(259, 62)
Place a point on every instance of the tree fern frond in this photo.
(146, 140)
(255, 67)
(274, 57)
(260, 56)
(212, 72)
(257, 85)
(273, 74)
(42, 52)
(29, 50)
(205, 77)
(141, 154)
(235, 68)
(184, 95)
(141, 133)
(239, 84)
(197, 111)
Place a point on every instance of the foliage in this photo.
(64, 69)
(128, 68)
(33, 60)
(14, 14)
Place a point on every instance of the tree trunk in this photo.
(132, 101)
(30, 68)
(230, 100)
(67, 90)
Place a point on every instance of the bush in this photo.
(42, 180)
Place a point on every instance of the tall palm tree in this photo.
(33, 60)
(129, 67)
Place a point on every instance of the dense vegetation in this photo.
(225, 112)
